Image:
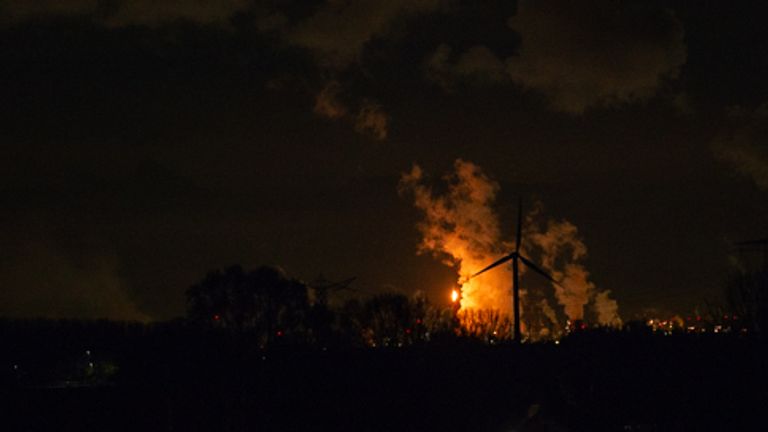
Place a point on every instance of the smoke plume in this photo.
(562, 253)
(561, 250)
(461, 227)
(607, 309)
(40, 281)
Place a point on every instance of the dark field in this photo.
(176, 378)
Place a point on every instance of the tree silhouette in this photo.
(386, 318)
(747, 297)
(264, 301)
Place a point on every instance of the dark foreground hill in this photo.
(108, 377)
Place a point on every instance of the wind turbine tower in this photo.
(516, 258)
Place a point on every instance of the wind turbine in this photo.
(516, 257)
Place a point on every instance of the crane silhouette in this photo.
(323, 287)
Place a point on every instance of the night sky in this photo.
(146, 143)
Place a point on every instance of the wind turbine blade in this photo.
(538, 270)
(497, 263)
(519, 238)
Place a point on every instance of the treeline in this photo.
(264, 309)
(275, 309)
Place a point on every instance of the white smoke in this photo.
(462, 228)
(562, 253)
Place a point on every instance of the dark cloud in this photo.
(370, 119)
(154, 13)
(327, 103)
(598, 52)
(182, 136)
(745, 147)
(120, 13)
(15, 11)
(336, 35)
(339, 29)
(478, 64)
(373, 120)
(578, 54)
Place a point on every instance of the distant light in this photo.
(15, 367)
(87, 352)
(279, 333)
(407, 331)
(454, 296)
(216, 317)
(557, 342)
